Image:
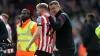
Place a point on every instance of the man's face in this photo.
(5, 19)
(24, 14)
(88, 18)
(39, 11)
(54, 9)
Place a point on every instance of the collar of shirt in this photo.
(25, 23)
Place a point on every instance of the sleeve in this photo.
(59, 21)
(39, 21)
(34, 27)
(3, 31)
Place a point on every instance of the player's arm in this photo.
(35, 36)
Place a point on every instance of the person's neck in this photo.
(6, 23)
(44, 12)
(25, 19)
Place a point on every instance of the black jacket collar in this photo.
(59, 12)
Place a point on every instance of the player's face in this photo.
(54, 9)
(39, 11)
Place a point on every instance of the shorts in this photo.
(42, 53)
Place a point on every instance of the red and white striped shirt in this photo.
(45, 41)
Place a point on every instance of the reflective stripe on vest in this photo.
(24, 36)
(97, 31)
(27, 32)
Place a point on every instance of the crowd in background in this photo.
(76, 9)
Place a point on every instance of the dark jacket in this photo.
(3, 31)
(63, 29)
(90, 40)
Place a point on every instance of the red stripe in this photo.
(61, 19)
(42, 33)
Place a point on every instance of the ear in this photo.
(60, 6)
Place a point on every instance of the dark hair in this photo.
(27, 11)
(91, 15)
(54, 3)
(42, 5)
(18, 17)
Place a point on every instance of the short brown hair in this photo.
(54, 3)
(42, 5)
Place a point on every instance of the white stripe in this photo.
(12, 50)
(40, 44)
(45, 30)
(4, 51)
(8, 50)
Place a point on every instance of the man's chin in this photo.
(53, 14)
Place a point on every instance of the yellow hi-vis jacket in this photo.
(97, 31)
(25, 35)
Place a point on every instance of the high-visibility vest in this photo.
(97, 31)
(24, 36)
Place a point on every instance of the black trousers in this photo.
(42, 53)
(66, 52)
(93, 53)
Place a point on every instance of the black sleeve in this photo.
(3, 31)
(59, 21)
(86, 34)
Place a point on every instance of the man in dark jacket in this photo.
(62, 25)
(3, 34)
(90, 40)
(3, 30)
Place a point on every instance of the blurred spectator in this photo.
(90, 40)
(17, 19)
